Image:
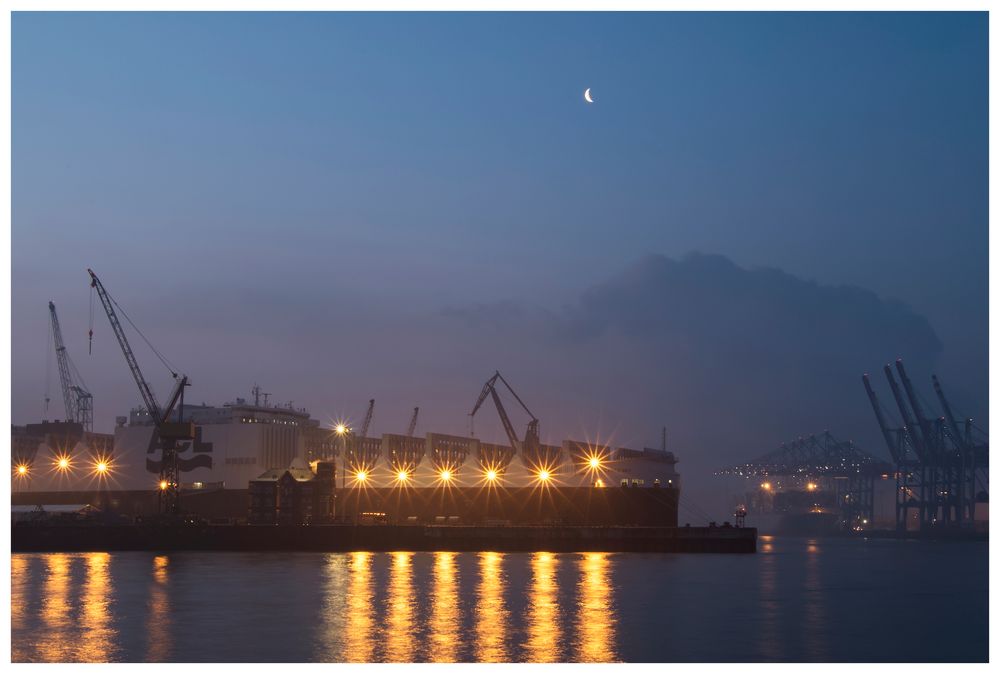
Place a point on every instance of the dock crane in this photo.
(890, 443)
(413, 422)
(530, 446)
(931, 443)
(915, 440)
(77, 399)
(368, 419)
(169, 433)
(961, 439)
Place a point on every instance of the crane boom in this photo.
(886, 434)
(413, 422)
(915, 441)
(949, 415)
(168, 433)
(922, 422)
(148, 398)
(368, 418)
(78, 401)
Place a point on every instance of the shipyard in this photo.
(251, 463)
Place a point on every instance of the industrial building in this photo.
(294, 495)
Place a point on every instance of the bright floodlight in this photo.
(544, 475)
(491, 475)
(163, 485)
(340, 429)
(361, 476)
(102, 467)
(595, 462)
(62, 463)
(766, 486)
(22, 469)
(402, 475)
(446, 475)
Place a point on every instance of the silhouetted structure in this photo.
(941, 464)
(825, 469)
(294, 495)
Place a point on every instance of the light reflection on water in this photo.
(53, 646)
(97, 641)
(359, 637)
(595, 618)
(491, 610)
(399, 624)
(544, 635)
(444, 609)
(798, 600)
(158, 622)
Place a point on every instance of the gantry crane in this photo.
(169, 433)
(77, 399)
(938, 462)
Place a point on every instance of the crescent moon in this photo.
(586, 96)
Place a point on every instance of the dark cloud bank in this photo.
(732, 361)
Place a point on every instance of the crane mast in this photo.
(78, 401)
(413, 422)
(169, 433)
(368, 419)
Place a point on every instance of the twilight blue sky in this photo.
(370, 175)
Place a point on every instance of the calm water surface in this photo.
(797, 599)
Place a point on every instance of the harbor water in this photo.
(797, 599)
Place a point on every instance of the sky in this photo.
(756, 209)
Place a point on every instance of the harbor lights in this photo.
(62, 463)
(544, 475)
(594, 462)
(361, 476)
(341, 430)
(402, 476)
(21, 470)
(446, 475)
(491, 475)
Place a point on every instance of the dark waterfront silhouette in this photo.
(797, 599)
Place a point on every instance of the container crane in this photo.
(413, 422)
(890, 443)
(169, 433)
(916, 440)
(529, 447)
(78, 401)
(960, 438)
(931, 444)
